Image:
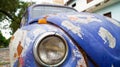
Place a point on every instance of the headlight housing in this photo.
(50, 49)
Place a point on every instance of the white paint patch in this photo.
(81, 15)
(73, 28)
(51, 28)
(26, 45)
(86, 20)
(37, 31)
(113, 21)
(107, 36)
(81, 62)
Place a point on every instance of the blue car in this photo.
(59, 36)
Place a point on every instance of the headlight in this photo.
(50, 49)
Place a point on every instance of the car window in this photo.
(44, 10)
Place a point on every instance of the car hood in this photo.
(98, 36)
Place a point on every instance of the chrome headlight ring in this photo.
(50, 49)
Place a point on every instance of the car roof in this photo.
(54, 5)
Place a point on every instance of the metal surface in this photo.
(37, 43)
(97, 35)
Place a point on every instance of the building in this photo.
(57, 2)
(110, 8)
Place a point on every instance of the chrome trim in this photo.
(39, 39)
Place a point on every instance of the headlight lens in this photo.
(51, 49)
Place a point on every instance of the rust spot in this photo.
(19, 49)
(81, 66)
(15, 55)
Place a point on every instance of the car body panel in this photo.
(96, 35)
(27, 36)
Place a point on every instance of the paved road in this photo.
(4, 57)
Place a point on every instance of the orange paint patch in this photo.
(43, 20)
(19, 49)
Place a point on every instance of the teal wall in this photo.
(114, 9)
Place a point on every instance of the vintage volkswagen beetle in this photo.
(59, 36)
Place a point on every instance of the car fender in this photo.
(97, 35)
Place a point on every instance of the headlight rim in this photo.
(36, 46)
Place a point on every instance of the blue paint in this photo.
(91, 42)
(94, 45)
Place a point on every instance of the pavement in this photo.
(4, 57)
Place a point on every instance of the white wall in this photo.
(82, 4)
(114, 9)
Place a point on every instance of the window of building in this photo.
(108, 14)
(88, 1)
(74, 5)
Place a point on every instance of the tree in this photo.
(3, 41)
(13, 11)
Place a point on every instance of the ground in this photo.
(4, 57)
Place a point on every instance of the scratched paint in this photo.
(81, 61)
(73, 28)
(113, 21)
(78, 56)
(107, 37)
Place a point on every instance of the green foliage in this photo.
(8, 9)
(12, 10)
(3, 41)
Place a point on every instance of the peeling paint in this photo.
(87, 19)
(82, 15)
(81, 63)
(37, 31)
(107, 37)
(73, 28)
(16, 45)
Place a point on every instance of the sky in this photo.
(5, 32)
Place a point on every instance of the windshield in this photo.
(45, 9)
